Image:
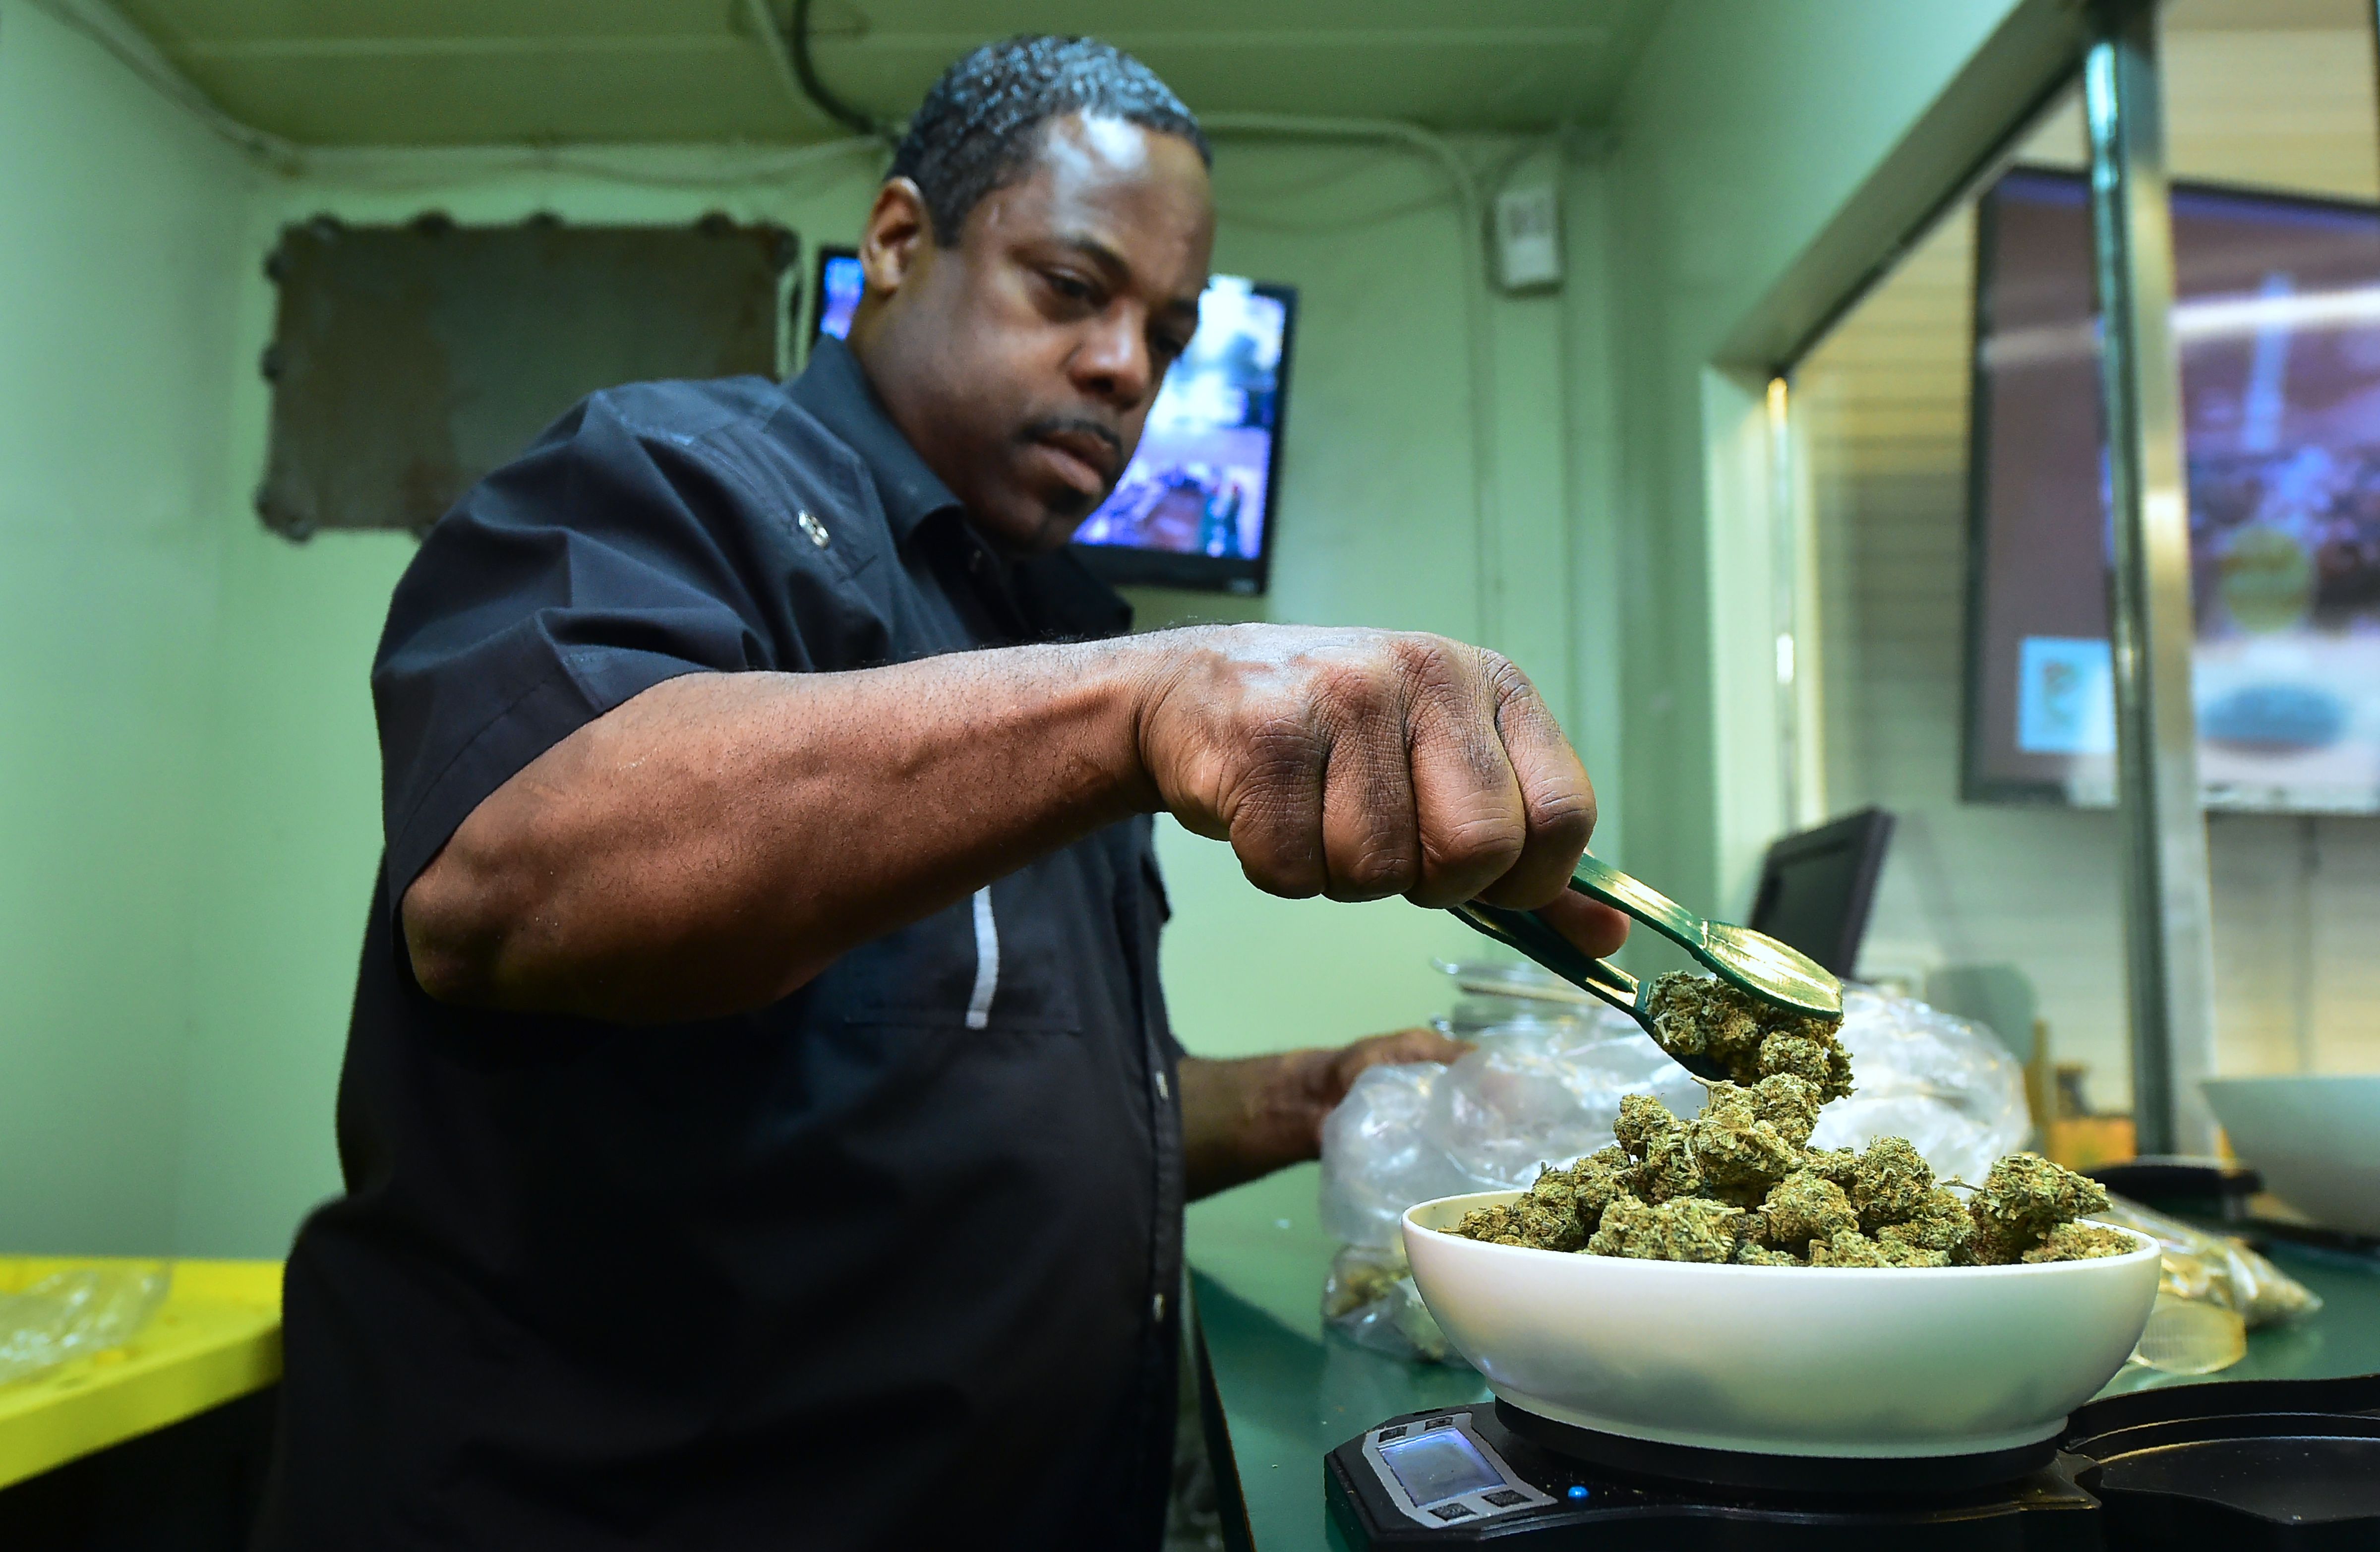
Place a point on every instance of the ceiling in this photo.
(2267, 16)
(472, 72)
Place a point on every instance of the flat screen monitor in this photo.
(840, 282)
(1194, 507)
(2277, 325)
(1816, 887)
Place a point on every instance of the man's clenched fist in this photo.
(1358, 764)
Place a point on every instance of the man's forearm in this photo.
(717, 841)
(1245, 1117)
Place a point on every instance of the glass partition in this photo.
(1900, 429)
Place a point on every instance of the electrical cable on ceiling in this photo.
(386, 169)
(790, 46)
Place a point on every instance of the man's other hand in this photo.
(1245, 1118)
(1326, 1076)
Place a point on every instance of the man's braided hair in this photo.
(976, 128)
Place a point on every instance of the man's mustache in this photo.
(1075, 425)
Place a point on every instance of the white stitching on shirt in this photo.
(987, 961)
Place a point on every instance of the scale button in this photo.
(1396, 1433)
(1505, 1498)
(1453, 1511)
(1575, 1492)
(1439, 1422)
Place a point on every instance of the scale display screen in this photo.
(1440, 1463)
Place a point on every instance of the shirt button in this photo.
(1164, 1090)
(811, 528)
(1157, 1307)
(975, 564)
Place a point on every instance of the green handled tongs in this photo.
(1752, 961)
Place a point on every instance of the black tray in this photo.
(2242, 1464)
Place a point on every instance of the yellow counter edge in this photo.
(216, 1338)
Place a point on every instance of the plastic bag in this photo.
(1376, 1162)
(1370, 1295)
(2212, 1292)
(2216, 1269)
(1536, 1092)
(1946, 1085)
(73, 1314)
(1545, 1093)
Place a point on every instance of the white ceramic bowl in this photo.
(1830, 1361)
(2315, 1140)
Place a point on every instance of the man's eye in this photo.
(1068, 287)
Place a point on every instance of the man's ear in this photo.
(897, 234)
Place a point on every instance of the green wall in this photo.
(121, 243)
(1744, 130)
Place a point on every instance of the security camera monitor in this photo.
(2276, 321)
(1194, 506)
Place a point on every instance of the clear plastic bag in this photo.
(1375, 1161)
(1370, 1295)
(2217, 1268)
(1535, 1092)
(2212, 1292)
(74, 1313)
(1946, 1085)
(1543, 1087)
(1545, 1092)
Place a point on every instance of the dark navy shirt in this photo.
(887, 1263)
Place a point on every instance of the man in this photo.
(761, 1122)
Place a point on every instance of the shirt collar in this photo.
(833, 388)
(1057, 595)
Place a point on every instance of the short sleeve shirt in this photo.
(887, 1263)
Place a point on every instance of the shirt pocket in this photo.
(1003, 959)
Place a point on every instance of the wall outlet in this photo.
(1528, 238)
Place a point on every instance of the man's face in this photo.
(1021, 361)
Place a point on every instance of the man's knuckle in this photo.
(1384, 867)
(1562, 810)
(1512, 688)
(1292, 871)
(1482, 837)
(1341, 684)
(1430, 661)
(1282, 748)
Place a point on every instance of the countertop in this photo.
(1289, 1394)
(216, 1338)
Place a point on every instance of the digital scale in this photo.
(2273, 1464)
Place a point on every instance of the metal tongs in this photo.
(1752, 962)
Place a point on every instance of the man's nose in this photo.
(1112, 362)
